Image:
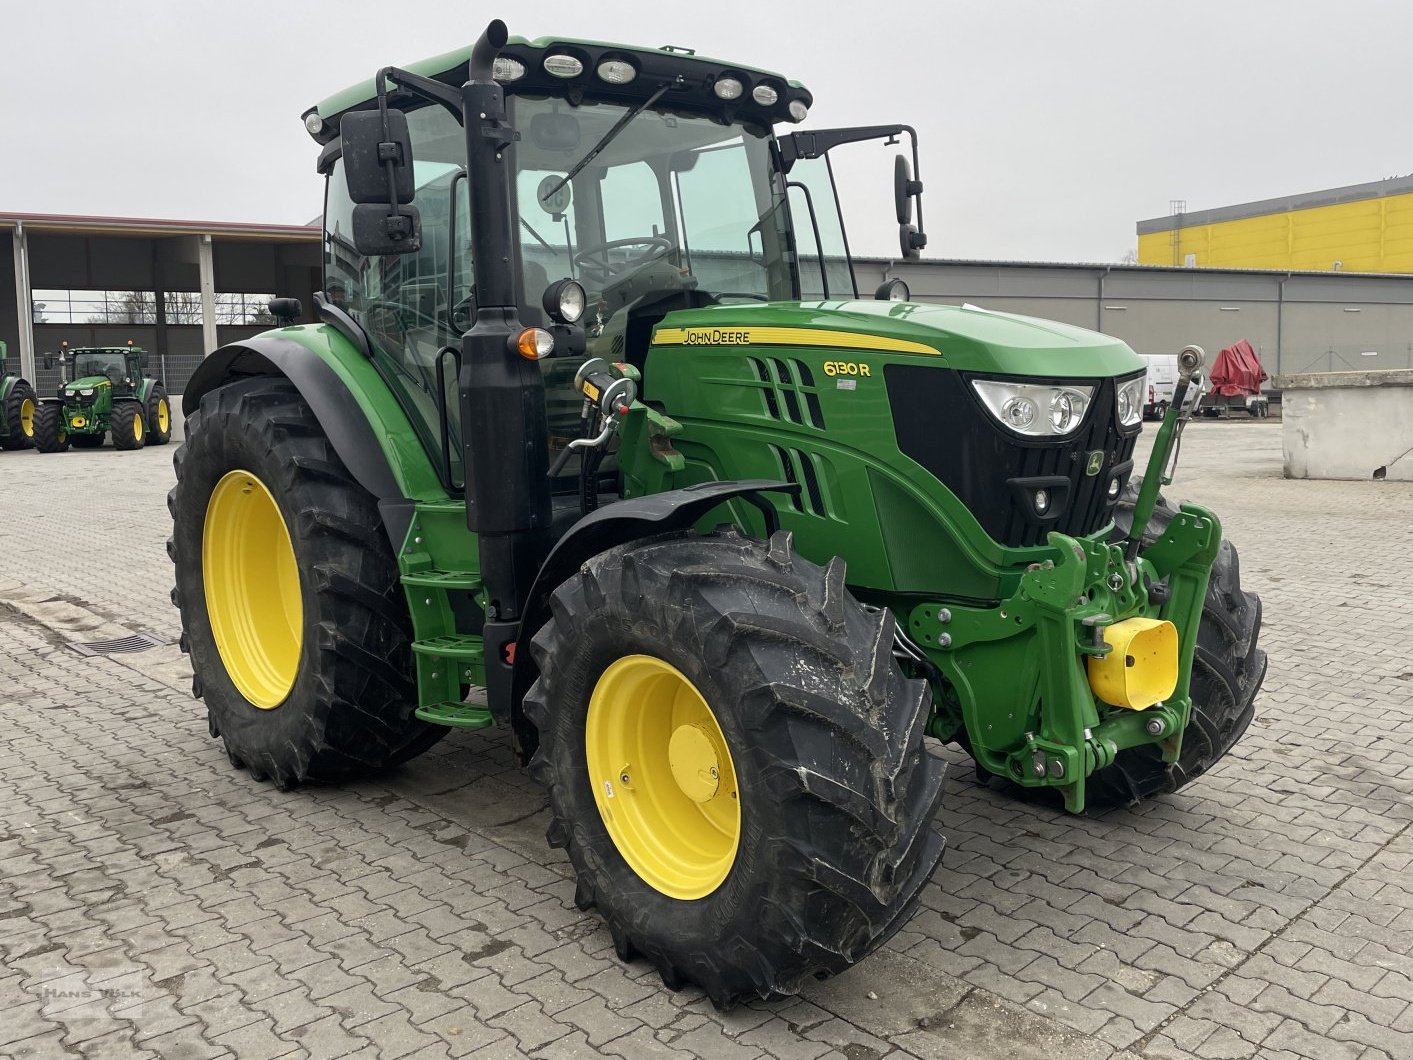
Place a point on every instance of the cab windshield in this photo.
(673, 205)
(92, 362)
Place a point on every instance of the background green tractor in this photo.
(595, 419)
(17, 411)
(103, 390)
(18, 406)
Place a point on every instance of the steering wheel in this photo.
(594, 261)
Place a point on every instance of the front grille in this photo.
(942, 425)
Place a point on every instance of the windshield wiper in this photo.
(609, 136)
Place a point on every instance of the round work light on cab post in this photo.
(894, 290)
(564, 301)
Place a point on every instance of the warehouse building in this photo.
(181, 288)
(175, 288)
(1359, 228)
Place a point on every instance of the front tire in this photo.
(21, 408)
(126, 426)
(1227, 671)
(50, 433)
(158, 416)
(291, 608)
(794, 829)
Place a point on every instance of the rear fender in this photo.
(387, 461)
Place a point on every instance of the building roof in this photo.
(82, 224)
(1375, 189)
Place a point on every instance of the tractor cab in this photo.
(86, 368)
(654, 178)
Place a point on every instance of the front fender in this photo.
(358, 412)
(608, 527)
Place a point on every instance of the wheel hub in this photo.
(692, 757)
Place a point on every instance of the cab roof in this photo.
(692, 77)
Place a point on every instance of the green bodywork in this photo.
(910, 544)
(89, 399)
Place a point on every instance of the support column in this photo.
(24, 302)
(207, 264)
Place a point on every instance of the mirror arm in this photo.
(418, 85)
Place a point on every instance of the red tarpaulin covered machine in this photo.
(1236, 379)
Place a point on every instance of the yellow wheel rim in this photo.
(27, 417)
(663, 778)
(136, 428)
(164, 417)
(252, 589)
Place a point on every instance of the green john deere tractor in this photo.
(595, 419)
(104, 390)
(17, 408)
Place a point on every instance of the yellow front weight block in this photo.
(1142, 667)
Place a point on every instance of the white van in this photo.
(1162, 381)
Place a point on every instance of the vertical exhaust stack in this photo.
(502, 396)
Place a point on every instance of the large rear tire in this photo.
(291, 607)
(1227, 672)
(21, 407)
(734, 761)
(50, 434)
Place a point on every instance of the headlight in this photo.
(85, 393)
(1130, 401)
(1034, 409)
(507, 69)
(563, 65)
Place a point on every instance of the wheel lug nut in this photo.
(623, 778)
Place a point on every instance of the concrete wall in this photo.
(1348, 425)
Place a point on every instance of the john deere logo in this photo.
(1096, 462)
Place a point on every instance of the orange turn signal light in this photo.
(534, 343)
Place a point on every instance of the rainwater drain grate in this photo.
(137, 642)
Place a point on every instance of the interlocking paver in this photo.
(1267, 910)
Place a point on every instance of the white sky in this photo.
(1048, 128)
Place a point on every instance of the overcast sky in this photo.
(1048, 128)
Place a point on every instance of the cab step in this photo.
(461, 647)
(456, 715)
(444, 579)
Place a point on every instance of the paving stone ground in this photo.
(155, 902)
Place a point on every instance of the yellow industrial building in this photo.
(1359, 228)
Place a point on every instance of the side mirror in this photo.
(905, 190)
(145, 360)
(380, 229)
(367, 151)
(48, 361)
(377, 164)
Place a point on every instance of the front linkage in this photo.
(1021, 680)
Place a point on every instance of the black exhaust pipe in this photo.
(485, 50)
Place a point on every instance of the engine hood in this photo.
(88, 382)
(967, 338)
